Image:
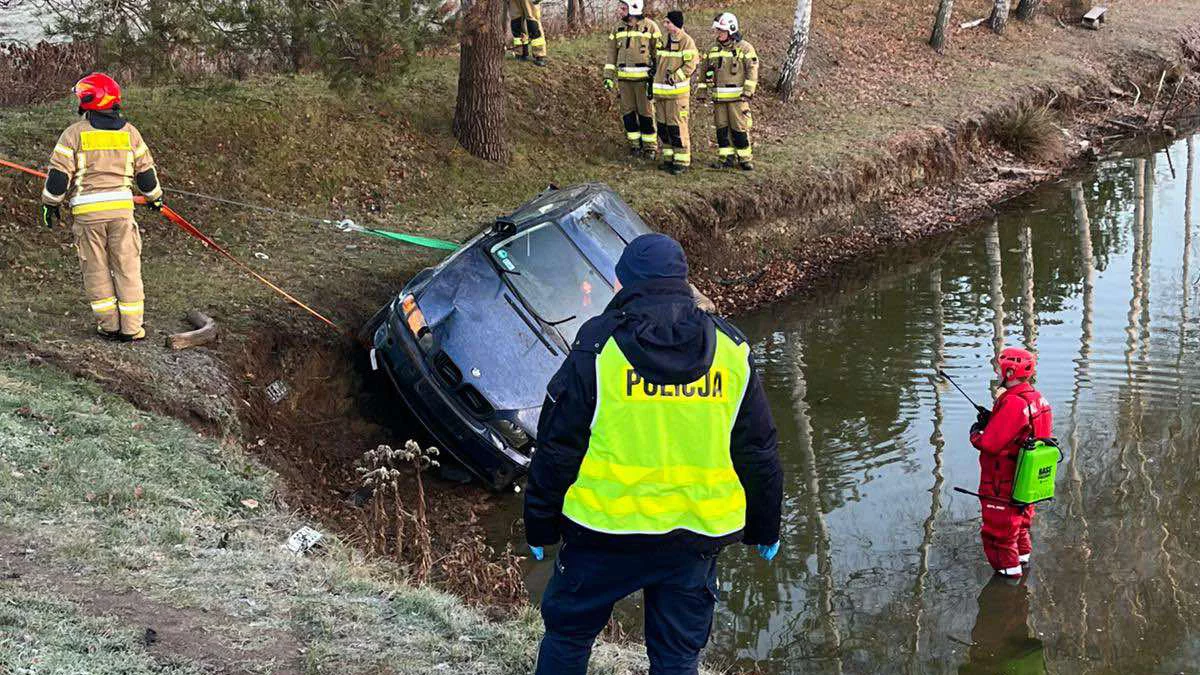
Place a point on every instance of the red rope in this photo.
(183, 224)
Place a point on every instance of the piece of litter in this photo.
(250, 503)
(303, 540)
(261, 256)
(17, 474)
(277, 391)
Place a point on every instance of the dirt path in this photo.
(167, 632)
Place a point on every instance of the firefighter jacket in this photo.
(95, 165)
(677, 60)
(632, 48)
(655, 434)
(1020, 414)
(731, 71)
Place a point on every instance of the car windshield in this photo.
(553, 277)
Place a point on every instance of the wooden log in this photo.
(1020, 171)
(1124, 125)
(205, 332)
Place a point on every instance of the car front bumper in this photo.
(457, 432)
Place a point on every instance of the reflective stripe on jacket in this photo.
(631, 50)
(731, 71)
(659, 458)
(101, 166)
(677, 60)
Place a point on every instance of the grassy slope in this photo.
(115, 500)
(389, 157)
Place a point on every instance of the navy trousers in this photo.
(680, 590)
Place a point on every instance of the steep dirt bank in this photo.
(785, 237)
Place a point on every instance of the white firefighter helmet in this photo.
(636, 7)
(726, 22)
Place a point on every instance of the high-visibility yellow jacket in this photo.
(102, 166)
(659, 456)
(677, 60)
(731, 71)
(632, 47)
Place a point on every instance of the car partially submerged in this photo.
(471, 343)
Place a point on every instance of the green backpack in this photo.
(1037, 467)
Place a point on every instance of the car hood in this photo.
(482, 326)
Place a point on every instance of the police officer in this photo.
(525, 19)
(656, 449)
(677, 60)
(731, 75)
(96, 162)
(632, 48)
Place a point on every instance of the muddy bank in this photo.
(751, 248)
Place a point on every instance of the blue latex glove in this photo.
(539, 553)
(768, 552)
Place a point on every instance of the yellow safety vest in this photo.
(659, 455)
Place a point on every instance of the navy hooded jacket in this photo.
(668, 341)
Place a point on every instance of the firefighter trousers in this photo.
(671, 117)
(525, 19)
(733, 122)
(637, 113)
(110, 255)
(1005, 535)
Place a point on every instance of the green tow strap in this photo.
(348, 225)
(427, 242)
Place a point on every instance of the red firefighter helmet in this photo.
(1015, 362)
(97, 92)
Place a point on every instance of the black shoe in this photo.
(677, 169)
(727, 163)
(539, 61)
(746, 166)
(114, 335)
(650, 153)
(665, 166)
(634, 153)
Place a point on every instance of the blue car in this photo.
(471, 343)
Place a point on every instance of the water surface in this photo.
(881, 568)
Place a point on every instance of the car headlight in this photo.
(514, 435)
(415, 320)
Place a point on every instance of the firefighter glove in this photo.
(50, 215)
(982, 417)
(609, 84)
(155, 204)
(976, 429)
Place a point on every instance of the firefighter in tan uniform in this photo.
(95, 164)
(632, 48)
(731, 75)
(525, 19)
(677, 60)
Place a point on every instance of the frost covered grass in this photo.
(116, 520)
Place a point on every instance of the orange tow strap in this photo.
(194, 231)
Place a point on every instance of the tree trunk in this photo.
(479, 108)
(941, 24)
(999, 16)
(1027, 8)
(796, 49)
(572, 14)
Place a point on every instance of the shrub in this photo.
(1028, 131)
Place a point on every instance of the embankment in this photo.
(884, 143)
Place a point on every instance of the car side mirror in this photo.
(504, 227)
